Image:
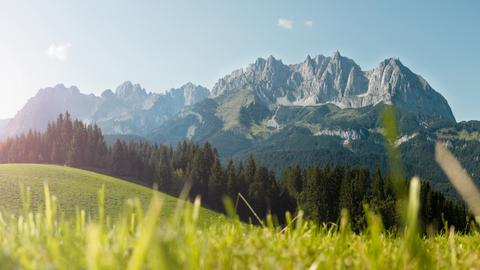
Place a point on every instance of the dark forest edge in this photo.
(321, 192)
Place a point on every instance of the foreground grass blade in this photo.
(462, 182)
(140, 249)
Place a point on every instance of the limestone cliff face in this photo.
(337, 80)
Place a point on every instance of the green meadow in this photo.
(76, 189)
(156, 231)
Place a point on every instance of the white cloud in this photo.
(308, 23)
(59, 51)
(285, 23)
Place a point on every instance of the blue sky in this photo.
(96, 45)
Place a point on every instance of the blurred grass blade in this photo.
(25, 196)
(395, 163)
(413, 204)
(48, 207)
(417, 254)
(101, 205)
(459, 178)
(141, 247)
(230, 208)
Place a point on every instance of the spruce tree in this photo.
(312, 193)
(231, 178)
(378, 191)
(216, 186)
(293, 181)
(346, 191)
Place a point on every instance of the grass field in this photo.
(75, 188)
(145, 240)
(169, 234)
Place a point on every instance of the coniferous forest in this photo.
(321, 192)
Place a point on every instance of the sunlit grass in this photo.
(75, 188)
(147, 240)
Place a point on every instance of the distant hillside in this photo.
(76, 188)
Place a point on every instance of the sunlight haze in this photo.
(96, 45)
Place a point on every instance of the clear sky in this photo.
(96, 45)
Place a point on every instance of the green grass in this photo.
(75, 188)
(229, 109)
(148, 240)
(156, 231)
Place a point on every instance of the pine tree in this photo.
(198, 176)
(333, 193)
(312, 193)
(256, 190)
(231, 178)
(163, 170)
(216, 186)
(76, 151)
(118, 155)
(346, 191)
(293, 181)
(378, 191)
(250, 170)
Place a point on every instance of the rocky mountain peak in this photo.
(269, 64)
(128, 89)
(188, 85)
(336, 55)
(193, 93)
(107, 94)
(59, 89)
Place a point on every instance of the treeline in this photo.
(321, 192)
(66, 141)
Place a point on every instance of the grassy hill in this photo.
(36, 240)
(76, 188)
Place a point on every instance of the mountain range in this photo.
(334, 80)
(324, 110)
(128, 110)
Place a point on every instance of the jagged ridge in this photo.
(337, 80)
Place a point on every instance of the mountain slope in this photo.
(326, 134)
(77, 188)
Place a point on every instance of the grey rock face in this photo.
(337, 80)
(131, 110)
(347, 135)
(193, 93)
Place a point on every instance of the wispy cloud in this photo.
(285, 23)
(59, 51)
(308, 23)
